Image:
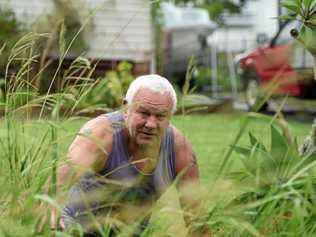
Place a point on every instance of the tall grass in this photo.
(28, 160)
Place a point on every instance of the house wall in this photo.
(121, 29)
(257, 17)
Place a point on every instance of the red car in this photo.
(283, 67)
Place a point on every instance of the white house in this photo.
(122, 29)
(257, 19)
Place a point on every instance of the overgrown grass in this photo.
(212, 134)
(34, 150)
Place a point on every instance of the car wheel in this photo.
(253, 93)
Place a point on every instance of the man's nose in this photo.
(151, 122)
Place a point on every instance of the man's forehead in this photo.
(142, 105)
(146, 96)
(156, 109)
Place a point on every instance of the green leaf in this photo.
(308, 37)
(295, 143)
(297, 2)
(254, 141)
(188, 75)
(292, 7)
(286, 17)
(279, 146)
(61, 42)
(312, 20)
(260, 117)
(256, 160)
(308, 4)
(313, 4)
(242, 150)
(302, 162)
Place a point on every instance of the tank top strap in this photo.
(117, 120)
(117, 166)
(165, 172)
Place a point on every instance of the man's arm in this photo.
(186, 163)
(88, 151)
(188, 184)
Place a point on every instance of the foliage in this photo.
(215, 7)
(11, 30)
(30, 150)
(102, 94)
(273, 195)
(26, 160)
(305, 12)
(66, 26)
(278, 184)
(158, 36)
(188, 99)
(202, 77)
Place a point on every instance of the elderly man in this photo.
(136, 150)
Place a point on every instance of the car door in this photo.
(278, 63)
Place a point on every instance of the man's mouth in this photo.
(147, 133)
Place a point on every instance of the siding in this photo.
(121, 29)
(261, 20)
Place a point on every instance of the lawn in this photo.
(212, 134)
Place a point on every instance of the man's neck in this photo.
(145, 157)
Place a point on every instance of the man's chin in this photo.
(146, 140)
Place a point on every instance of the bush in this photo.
(104, 93)
(11, 31)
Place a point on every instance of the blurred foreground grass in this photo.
(211, 136)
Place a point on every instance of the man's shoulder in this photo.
(185, 158)
(99, 126)
(179, 138)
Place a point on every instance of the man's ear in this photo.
(124, 103)
(125, 106)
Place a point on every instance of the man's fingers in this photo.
(53, 219)
(40, 224)
(62, 224)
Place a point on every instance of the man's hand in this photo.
(48, 219)
(200, 231)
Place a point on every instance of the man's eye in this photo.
(144, 113)
(161, 117)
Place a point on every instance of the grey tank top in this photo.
(119, 168)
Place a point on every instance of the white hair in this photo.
(154, 83)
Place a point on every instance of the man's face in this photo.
(148, 116)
